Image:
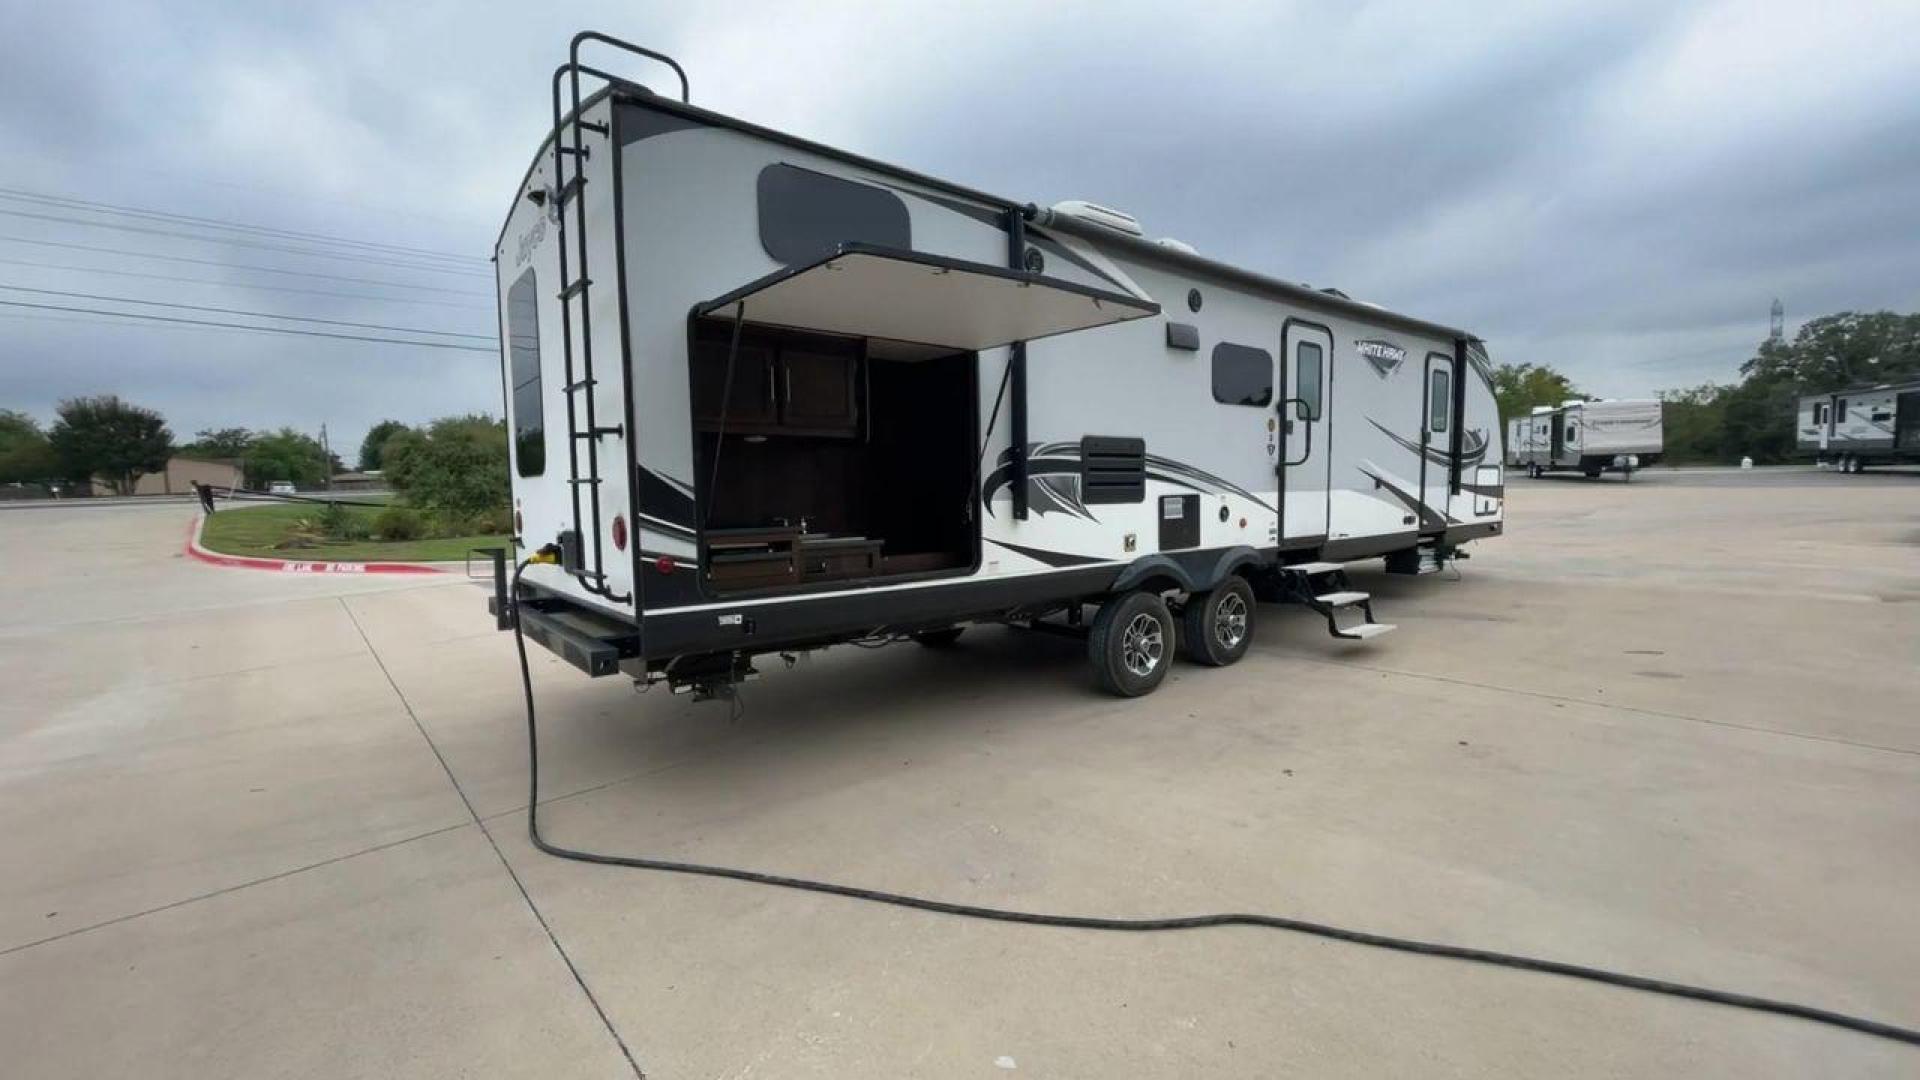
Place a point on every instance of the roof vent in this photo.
(1104, 216)
(1539, 409)
(1177, 245)
(1573, 401)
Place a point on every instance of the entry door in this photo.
(1436, 437)
(1306, 367)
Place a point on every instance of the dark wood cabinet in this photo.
(752, 402)
(817, 391)
(782, 384)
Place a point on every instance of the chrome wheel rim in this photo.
(1230, 621)
(1143, 644)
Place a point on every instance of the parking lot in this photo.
(261, 824)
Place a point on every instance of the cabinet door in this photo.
(750, 400)
(816, 391)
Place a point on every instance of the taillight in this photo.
(619, 533)
(664, 564)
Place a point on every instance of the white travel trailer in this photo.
(1852, 429)
(1591, 436)
(766, 395)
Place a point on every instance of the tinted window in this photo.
(523, 366)
(1439, 399)
(1242, 375)
(1307, 358)
(805, 214)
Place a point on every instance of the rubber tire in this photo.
(939, 639)
(1594, 474)
(1196, 624)
(1104, 642)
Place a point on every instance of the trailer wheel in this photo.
(1594, 473)
(938, 639)
(1217, 627)
(1131, 644)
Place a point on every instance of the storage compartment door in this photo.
(911, 296)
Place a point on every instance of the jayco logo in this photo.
(529, 240)
(1385, 356)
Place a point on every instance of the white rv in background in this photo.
(1590, 436)
(1852, 429)
(766, 395)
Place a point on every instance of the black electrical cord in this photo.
(1183, 922)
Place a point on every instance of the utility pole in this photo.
(326, 452)
(1777, 325)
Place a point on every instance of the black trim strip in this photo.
(1051, 558)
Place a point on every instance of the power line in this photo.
(217, 223)
(258, 245)
(244, 326)
(241, 311)
(244, 266)
(245, 285)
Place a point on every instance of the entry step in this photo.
(1315, 567)
(1366, 630)
(1343, 599)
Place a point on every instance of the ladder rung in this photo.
(588, 125)
(569, 189)
(584, 151)
(594, 433)
(584, 480)
(573, 387)
(575, 289)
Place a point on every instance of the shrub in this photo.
(456, 469)
(341, 523)
(398, 522)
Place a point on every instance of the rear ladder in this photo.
(570, 148)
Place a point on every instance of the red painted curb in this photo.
(288, 566)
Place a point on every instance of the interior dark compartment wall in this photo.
(921, 470)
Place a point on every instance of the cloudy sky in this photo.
(1619, 190)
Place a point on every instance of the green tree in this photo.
(26, 457)
(1693, 423)
(219, 444)
(1520, 387)
(286, 455)
(1837, 351)
(114, 440)
(373, 447)
(456, 468)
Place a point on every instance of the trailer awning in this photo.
(867, 291)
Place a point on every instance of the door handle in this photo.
(1307, 452)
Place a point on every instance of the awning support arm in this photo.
(720, 429)
(1017, 374)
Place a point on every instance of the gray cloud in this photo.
(1619, 192)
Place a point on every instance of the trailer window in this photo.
(1819, 412)
(806, 214)
(523, 365)
(1242, 375)
(1307, 358)
(1439, 400)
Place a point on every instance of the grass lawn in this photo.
(256, 530)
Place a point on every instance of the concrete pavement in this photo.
(1665, 727)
